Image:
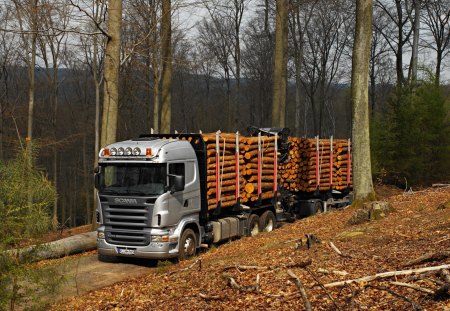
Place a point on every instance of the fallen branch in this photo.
(244, 268)
(301, 264)
(211, 297)
(301, 289)
(414, 305)
(387, 275)
(428, 257)
(413, 286)
(324, 289)
(337, 250)
(198, 261)
(244, 288)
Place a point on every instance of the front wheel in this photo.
(188, 245)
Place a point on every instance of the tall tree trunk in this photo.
(399, 52)
(415, 48)
(166, 53)
(155, 66)
(111, 73)
(280, 65)
(362, 172)
(97, 83)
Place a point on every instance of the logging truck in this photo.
(163, 196)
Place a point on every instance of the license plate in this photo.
(125, 251)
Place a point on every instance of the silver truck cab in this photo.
(148, 199)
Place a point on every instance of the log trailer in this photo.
(163, 196)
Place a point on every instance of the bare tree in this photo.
(280, 65)
(301, 14)
(53, 18)
(362, 173)
(399, 32)
(111, 73)
(166, 60)
(328, 39)
(27, 17)
(437, 21)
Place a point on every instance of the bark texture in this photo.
(111, 73)
(362, 172)
(280, 65)
(166, 53)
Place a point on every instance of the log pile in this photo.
(250, 172)
(316, 164)
(297, 170)
(227, 168)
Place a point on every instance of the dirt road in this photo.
(86, 273)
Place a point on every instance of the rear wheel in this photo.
(318, 207)
(253, 225)
(267, 221)
(188, 245)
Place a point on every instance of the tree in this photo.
(280, 65)
(23, 221)
(298, 23)
(52, 43)
(27, 15)
(166, 60)
(111, 73)
(362, 173)
(398, 33)
(437, 20)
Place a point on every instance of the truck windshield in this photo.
(137, 179)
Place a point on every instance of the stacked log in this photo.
(309, 168)
(227, 168)
(250, 172)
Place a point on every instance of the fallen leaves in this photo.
(261, 264)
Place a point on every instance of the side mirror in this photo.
(178, 183)
(97, 181)
(97, 177)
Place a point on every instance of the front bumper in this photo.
(155, 250)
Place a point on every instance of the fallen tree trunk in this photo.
(68, 246)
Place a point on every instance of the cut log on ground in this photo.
(68, 246)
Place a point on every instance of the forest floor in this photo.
(418, 224)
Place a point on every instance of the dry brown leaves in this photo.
(416, 227)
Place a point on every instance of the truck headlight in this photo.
(137, 151)
(120, 151)
(128, 151)
(113, 151)
(164, 238)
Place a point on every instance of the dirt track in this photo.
(86, 273)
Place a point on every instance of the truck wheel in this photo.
(253, 225)
(188, 245)
(267, 221)
(318, 208)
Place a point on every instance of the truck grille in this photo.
(125, 224)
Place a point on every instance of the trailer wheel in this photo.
(267, 221)
(188, 245)
(318, 208)
(253, 225)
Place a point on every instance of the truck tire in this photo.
(267, 221)
(253, 225)
(318, 208)
(188, 245)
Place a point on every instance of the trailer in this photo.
(163, 196)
